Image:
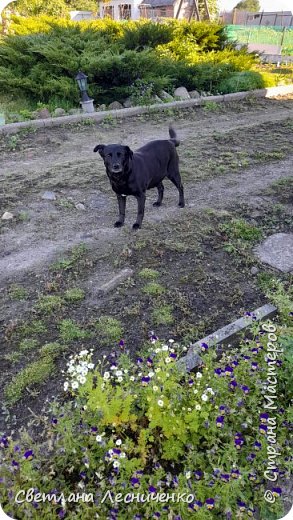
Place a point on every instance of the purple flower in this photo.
(210, 503)
(94, 429)
(149, 362)
(121, 343)
(251, 511)
(252, 476)
(218, 371)
(238, 442)
(225, 477)
(250, 457)
(82, 474)
(254, 350)
(229, 371)
(240, 403)
(61, 513)
(156, 515)
(254, 365)
(54, 420)
(116, 451)
(29, 454)
(220, 421)
(263, 429)
(14, 464)
(198, 474)
(173, 355)
(245, 389)
(191, 382)
(195, 506)
(139, 360)
(4, 442)
(152, 489)
(235, 363)
(241, 505)
(277, 491)
(235, 473)
(145, 380)
(233, 384)
(204, 347)
(264, 417)
(135, 482)
(257, 445)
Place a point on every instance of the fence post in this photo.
(282, 38)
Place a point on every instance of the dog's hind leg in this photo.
(140, 210)
(160, 189)
(122, 205)
(177, 182)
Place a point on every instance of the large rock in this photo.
(59, 112)
(182, 93)
(194, 94)
(165, 96)
(115, 106)
(277, 251)
(43, 113)
(128, 103)
(7, 216)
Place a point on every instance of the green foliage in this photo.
(240, 229)
(246, 80)
(162, 315)
(109, 330)
(70, 331)
(153, 289)
(28, 344)
(34, 373)
(17, 292)
(150, 427)
(74, 295)
(48, 304)
(253, 6)
(41, 7)
(148, 274)
(41, 56)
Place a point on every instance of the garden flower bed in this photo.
(143, 439)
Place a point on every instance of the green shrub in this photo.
(109, 330)
(241, 81)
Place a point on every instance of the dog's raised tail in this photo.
(173, 136)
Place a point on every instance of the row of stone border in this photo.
(225, 335)
(135, 111)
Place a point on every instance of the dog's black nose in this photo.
(116, 166)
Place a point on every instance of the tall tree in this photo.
(253, 6)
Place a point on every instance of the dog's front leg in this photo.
(122, 205)
(140, 210)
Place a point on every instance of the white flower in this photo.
(126, 370)
(198, 407)
(131, 378)
(82, 380)
(204, 397)
(106, 375)
(198, 375)
(210, 390)
(120, 379)
(195, 391)
(188, 474)
(151, 374)
(119, 373)
(118, 442)
(116, 464)
(122, 455)
(168, 360)
(99, 438)
(90, 366)
(160, 402)
(113, 367)
(157, 369)
(155, 388)
(171, 340)
(74, 385)
(165, 347)
(83, 353)
(66, 385)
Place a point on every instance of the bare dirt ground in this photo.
(231, 158)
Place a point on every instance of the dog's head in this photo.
(116, 157)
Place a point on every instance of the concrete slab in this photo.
(277, 251)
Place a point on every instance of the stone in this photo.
(7, 216)
(43, 113)
(115, 105)
(225, 335)
(254, 270)
(102, 107)
(59, 112)
(277, 251)
(80, 206)
(194, 94)
(120, 277)
(182, 93)
(156, 99)
(165, 96)
(49, 195)
(128, 103)
(74, 111)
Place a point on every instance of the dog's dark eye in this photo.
(109, 155)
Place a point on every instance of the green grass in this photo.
(47, 304)
(162, 315)
(35, 373)
(153, 289)
(240, 229)
(75, 255)
(28, 344)
(32, 328)
(17, 292)
(74, 295)
(148, 274)
(52, 350)
(282, 189)
(110, 330)
(13, 357)
(70, 331)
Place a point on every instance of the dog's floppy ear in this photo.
(129, 152)
(100, 148)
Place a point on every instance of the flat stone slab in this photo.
(277, 251)
(225, 335)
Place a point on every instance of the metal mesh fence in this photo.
(279, 36)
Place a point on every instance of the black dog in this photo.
(132, 173)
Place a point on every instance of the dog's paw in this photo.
(181, 204)
(157, 204)
(136, 226)
(118, 224)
